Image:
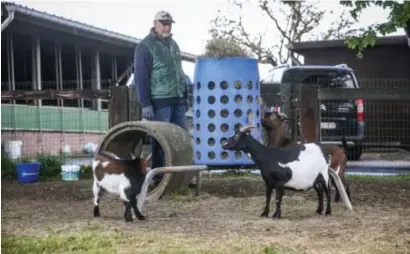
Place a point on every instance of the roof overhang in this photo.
(299, 47)
(51, 21)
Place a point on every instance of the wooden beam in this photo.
(309, 114)
(364, 93)
(56, 94)
(118, 106)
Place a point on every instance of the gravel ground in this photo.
(228, 208)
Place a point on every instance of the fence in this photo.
(48, 129)
(379, 132)
(49, 121)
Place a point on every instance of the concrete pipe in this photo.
(126, 138)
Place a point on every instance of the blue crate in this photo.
(28, 172)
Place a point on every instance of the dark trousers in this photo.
(172, 114)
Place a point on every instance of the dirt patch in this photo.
(228, 210)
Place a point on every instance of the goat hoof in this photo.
(141, 218)
(276, 216)
(128, 218)
(328, 212)
(96, 212)
(264, 214)
(319, 212)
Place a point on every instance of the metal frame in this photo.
(176, 169)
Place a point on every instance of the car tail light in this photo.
(360, 110)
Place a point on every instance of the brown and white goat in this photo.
(123, 177)
(274, 123)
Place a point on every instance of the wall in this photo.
(390, 61)
(66, 119)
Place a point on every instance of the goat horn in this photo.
(283, 115)
(246, 128)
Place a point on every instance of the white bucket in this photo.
(70, 172)
(13, 148)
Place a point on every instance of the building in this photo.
(389, 58)
(386, 65)
(44, 51)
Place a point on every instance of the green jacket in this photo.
(167, 78)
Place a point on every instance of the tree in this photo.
(291, 21)
(219, 47)
(399, 18)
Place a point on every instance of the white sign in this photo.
(28, 174)
(330, 125)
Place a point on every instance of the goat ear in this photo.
(143, 166)
(138, 148)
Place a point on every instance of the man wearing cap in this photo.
(159, 79)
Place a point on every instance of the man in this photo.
(160, 80)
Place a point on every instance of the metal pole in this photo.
(12, 82)
(8, 20)
(176, 169)
(97, 79)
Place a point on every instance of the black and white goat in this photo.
(123, 177)
(297, 168)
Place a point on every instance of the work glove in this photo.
(148, 112)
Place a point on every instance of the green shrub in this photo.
(8, 166)
(50, 165)
(86, 172)
(219, 47)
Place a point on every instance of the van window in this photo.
(274, 76)
(343, 80)
(325, 78)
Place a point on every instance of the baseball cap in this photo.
(164, 16)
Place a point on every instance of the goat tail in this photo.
(341, 189)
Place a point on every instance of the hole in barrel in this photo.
(238, 98)
(237, 84)
(224, 113)
(238, 154)
(211, 127)
(211, 85)
(224, 99)
(223, 85)
(238, 113)
(211, 99)
(211, 113)
(211, 141)
(224, 127)
(211, 155)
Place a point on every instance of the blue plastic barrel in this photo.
(28, 172)
(225, 93)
